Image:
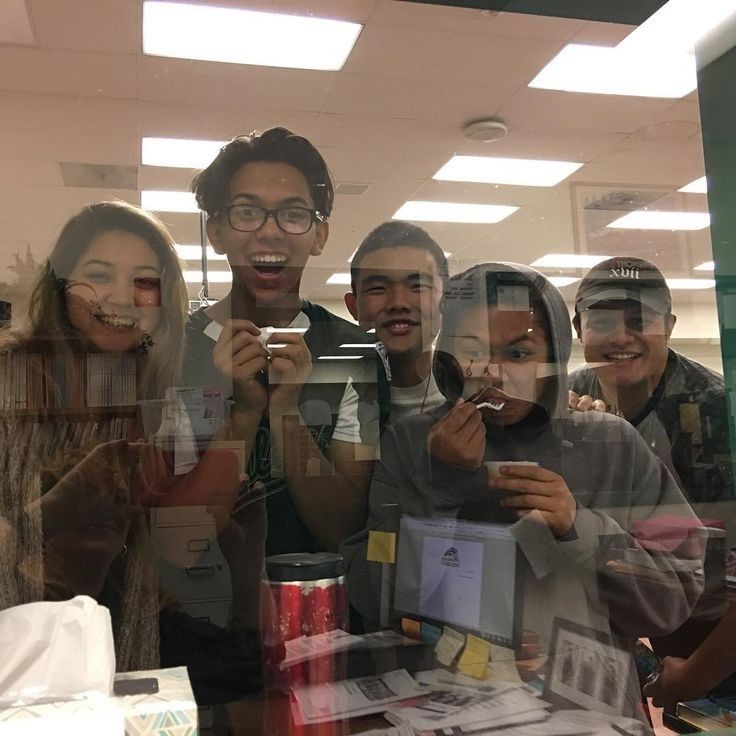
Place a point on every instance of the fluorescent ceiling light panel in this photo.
(568, 260)
(607, 71)
(168, 201)
(339, 277)
(678, 25)
(237, 36)
(194, 253)
(562, 281)
(453, 212)
(181, 153)
(340, 357)
(691, 283)
(358, 345)
(654, 60)
(698, 186)
(705, 266)
(655, 220)
(525, 172)
(214, 277)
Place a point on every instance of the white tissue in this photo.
(55, 651)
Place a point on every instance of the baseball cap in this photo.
(624, 278)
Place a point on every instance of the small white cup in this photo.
(494, 466)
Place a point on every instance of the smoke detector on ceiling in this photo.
(485, 130)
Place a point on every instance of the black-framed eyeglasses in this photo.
(292, 220)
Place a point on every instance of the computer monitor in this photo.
(460, 573)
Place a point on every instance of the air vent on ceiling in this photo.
(352, 189)
(99, 176)
(624, 200)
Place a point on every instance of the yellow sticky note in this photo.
(474, 659)
(381, 547)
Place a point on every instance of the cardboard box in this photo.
(171, 711)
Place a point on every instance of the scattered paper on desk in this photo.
(502, 665)
(328, 701)
(307, 647)
(402, 730)
(449, 646)
(453, 708)
(474, 659)
(381, 547)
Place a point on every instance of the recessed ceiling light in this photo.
(606, 70)
(705, 266)
(339, 277)
(562, 281)
(214, 277)
(179, 152)
(194, 253)
(691, 283)
(168, 201)
(568, 260)
(240, 36)
(525, 172)
(453, 212)
(655, 220)
(698, 186)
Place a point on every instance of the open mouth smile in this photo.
(620, 357)
(399, 326)
(118, 321)
(268, 264)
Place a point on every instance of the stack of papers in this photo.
(334, 701)
(308, 647)
(453, 708)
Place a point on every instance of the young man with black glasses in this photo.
(268, 199)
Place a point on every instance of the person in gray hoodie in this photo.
(579, 517)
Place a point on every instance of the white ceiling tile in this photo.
(66, 25)
(74, 113)
(192, 120)
(232, 86)
(67, 72)
(571, 111)
(16, 25)
(489, 22)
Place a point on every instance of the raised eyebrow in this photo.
(98, 262)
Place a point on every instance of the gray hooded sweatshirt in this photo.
(617, 483)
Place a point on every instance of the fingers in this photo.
(572, 400)
(585, 402)
(528, 472)
(463, 416)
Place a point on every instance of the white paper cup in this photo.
(494, 466)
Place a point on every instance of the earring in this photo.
(468, 370)
(146, 343)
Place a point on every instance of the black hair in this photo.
(398, 234)
(211, 186)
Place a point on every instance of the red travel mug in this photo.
(306, 595)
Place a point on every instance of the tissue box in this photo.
(169, 712)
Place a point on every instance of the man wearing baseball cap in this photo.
(623, 318)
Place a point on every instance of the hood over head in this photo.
(506, 286)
